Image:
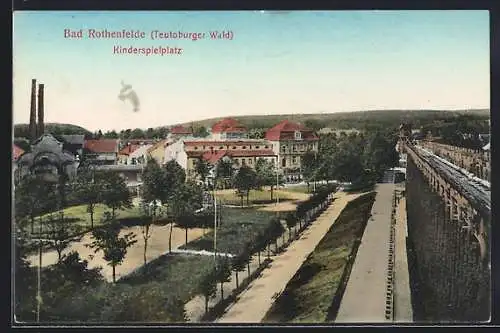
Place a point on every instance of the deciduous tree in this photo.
(108, 240)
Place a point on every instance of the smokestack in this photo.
(32, 126)
(41, 125)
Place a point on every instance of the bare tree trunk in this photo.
(206, 304)
(236, 279)
(145, 249)
(248, 267)
(248, 196)
(268, 250)
(59, 254)
(272, 187)
(170, 238)
(289, 234)
(222, 290)
(114, 273)
(91, 211)
(186, 235)
(258, 255)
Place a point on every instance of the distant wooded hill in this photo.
(349, 120)
(22, 130)
(340, 120)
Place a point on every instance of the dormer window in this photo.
(298, 135)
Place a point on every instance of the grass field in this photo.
(309, 295)
(80, 220)
(239, 226)
(300, 189)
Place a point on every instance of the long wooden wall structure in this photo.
(449, 246)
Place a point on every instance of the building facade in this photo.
(102, 151)
(47, 159)
(240, 152)
(131, 174)
(157, 151)
(290, 141)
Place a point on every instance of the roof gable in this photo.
(228, 124)
(285, 129)
(16, 152)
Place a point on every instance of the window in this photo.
(211, 148)
(221, 147)
(283, 149)
(249, 161)
(139, 177)
(204, 147)
(234, 147)
(257, 147)
(195, 148)
(294, 148)
(283, 162)
(244, 147)
(294, 159)
(298, 135)
(266, 147)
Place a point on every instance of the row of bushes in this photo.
(320, 196)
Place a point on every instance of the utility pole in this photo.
(215, 229)
(278, 178)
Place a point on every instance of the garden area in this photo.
(315, 291)
(237, 228)
(156, 292)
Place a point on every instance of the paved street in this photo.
(402, 295)
(364, 297)
(254, 302)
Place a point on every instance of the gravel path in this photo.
(157, 245)
(256, 300)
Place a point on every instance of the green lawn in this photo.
(239, 226)
(229, 197)
(309, 295)
(300, 189)
(80, 219)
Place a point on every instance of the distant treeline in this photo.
(439, 123)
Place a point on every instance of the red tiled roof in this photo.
(228, 125)
(215, 156)
(102, 145)
(180, 130)
(285, 131)
(224, 143)
(16, 152)
(127, 150)
(251, 153)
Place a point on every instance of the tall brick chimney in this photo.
(32, 125)
(41, 125)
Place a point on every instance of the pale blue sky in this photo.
(298, 62)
